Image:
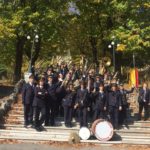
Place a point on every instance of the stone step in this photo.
(64, 131)
(135, 132)
(17, 109)
(74, 122)
(43, 137)
(63, 135)
(19, 126)
(16, 112)
(32, 132)
(138, 132)
(61, 123)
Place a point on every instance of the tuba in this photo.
(104, 62)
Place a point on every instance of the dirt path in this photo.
(14, 145)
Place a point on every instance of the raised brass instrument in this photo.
(104, 62)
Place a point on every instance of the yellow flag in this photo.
(133, 79)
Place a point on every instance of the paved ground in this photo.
(68, 147)
(46, 147)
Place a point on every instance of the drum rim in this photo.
(94, 126)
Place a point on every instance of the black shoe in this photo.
(42, 128)
(46, 125)
(38, 129)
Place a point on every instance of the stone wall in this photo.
(5, 90)
(6, 103)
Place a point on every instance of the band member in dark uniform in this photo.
(114, 105)
(63, 70)
(144, 100)
(49, 72)
(99, 103)
(90, 87)
(97, 83)
(51, 102)
(82, 104)
(125, 104)
(39, 104)
(60, 93)
(27, 100)
(68, 104)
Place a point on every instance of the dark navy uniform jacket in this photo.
(114, 99)
(144, 95)
(52, 92)
(63, 71)
(99, 100)
(82, 98)
(28, 94)
(40, 97)
(69, 98)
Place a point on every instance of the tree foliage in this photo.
(80, 26)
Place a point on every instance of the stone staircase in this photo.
(138, 132)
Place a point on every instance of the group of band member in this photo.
(73, 93)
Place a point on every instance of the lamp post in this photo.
(35, 39)
(113, 45)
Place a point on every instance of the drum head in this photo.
(84, 133)
(94, 125)
(103, 131)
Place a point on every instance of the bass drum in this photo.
(84, 133)
(102, 129)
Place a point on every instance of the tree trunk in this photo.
(94, 51)
(37, 51)
(18, 58)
